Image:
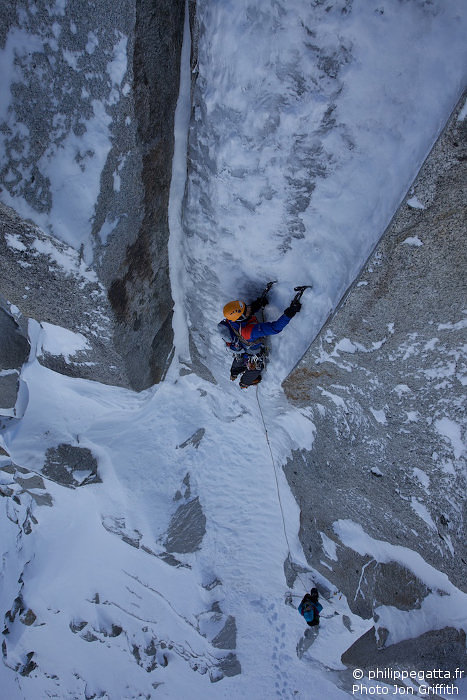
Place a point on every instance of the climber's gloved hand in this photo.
(260, 302)
(293, 309)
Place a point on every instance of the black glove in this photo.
(258, 304)
(293, 309)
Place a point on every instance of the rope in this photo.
(277, 479)
(278, 492)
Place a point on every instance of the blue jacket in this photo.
(250, 331)
(309, 610)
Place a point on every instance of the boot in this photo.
(255, 381)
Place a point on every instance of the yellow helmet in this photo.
(234, 309)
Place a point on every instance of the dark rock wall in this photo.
(139, 286)
(14, 352)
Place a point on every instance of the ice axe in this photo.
(266, 290)
(268, 287)
(300, 291)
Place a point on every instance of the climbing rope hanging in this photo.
(299, 291)
(278, 492)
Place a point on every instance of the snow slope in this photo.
(138, 444)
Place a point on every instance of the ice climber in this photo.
(310, 608)
(245, 336)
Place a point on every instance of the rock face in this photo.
(18, 482)
(385, 381)
(187, 528)
(14, 349)
(24, 497)
(70, 465)
(86, 146)
(47, 280)
(138, 281)
(445, 647)
(14, 352)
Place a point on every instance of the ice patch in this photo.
(453, 326)
(72, 57)
(107, 227)
(414, 203)
(337, 400)
(118, 66)
(176, 199)
(448, 467)
(67, 259)
(402, 389)
(92, 43)
(379, 415)
(441, 372)
(422, 477)
(412, 416)
(436, 612)
(18, 43)
(345, 345)
(329, 546)
(14, 242)
(353, 535)
(14, 310)
(431, 344)
(451, 431)
(422, 511)
(463, 113)
(413, 241)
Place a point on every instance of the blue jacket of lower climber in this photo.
(310, 608)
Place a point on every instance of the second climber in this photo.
(310, 607)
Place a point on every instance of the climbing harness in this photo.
(255, 362)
